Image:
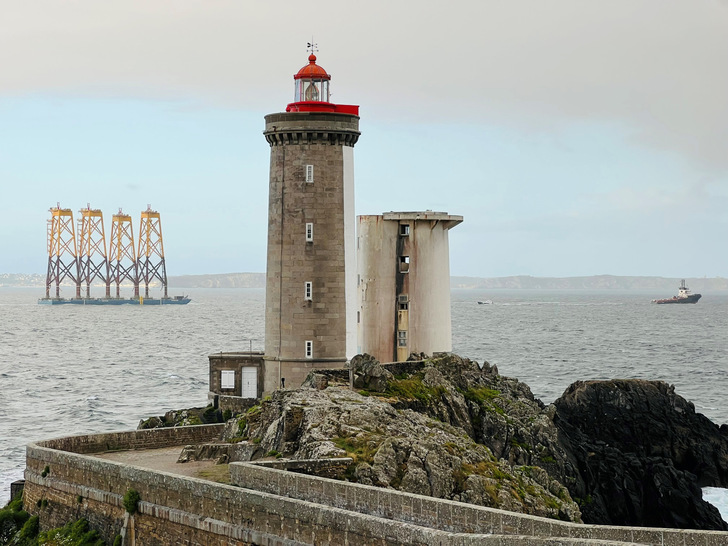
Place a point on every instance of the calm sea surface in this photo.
(71, 369)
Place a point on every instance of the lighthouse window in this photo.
(309, 291)
(227, 379)
(404, 264)
(309, 349)
(404, 230)
(309, 174)
(402, 338)
(309, 232)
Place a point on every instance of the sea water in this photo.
(76, 370)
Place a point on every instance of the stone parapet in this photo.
(235, 404)
(461, 519)
(277, 507)
(135, 439)
(311, 128)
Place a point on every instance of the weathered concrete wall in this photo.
(16, 488)
(276, 507)
(404, 307)
(180, 510)
(316, 467)
(376, 270)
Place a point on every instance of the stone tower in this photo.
(310, 316)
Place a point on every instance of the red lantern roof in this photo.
(312, 71)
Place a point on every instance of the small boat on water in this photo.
(683, 296)
(486, 302)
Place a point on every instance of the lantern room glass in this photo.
(312, 90)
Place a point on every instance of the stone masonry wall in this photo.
(277, 507)
(299, 139)
(454, 517)
(181, 510)
(77, 485)
(232, 403)
(136, 439)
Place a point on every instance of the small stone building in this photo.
(236, 379)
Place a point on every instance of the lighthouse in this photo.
(311, 308)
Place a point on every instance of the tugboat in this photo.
(683, 296)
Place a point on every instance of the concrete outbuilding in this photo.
(403, 280)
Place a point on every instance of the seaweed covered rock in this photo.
(184, 417)
(642, 454)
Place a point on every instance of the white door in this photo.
(250, 382)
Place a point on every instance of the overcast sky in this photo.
(576, 137)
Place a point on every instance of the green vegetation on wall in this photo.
(131, 501)
(18, 528)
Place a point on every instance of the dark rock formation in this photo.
(642, 454)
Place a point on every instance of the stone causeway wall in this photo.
(270, 506)
(455, 517)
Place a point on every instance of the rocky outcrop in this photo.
(642, 454)
(369, 374)
(625, 452)
(496, 411)
(184, 417)
(417, 434)
(220, 453)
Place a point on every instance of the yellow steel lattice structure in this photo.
(151, 251)
(93, 262)
(122, 259)
(62, 251)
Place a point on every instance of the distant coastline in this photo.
(594, 282)
(517, 282)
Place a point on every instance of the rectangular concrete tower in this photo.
(310, 318)
(404, 284)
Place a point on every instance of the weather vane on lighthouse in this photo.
(311, 46)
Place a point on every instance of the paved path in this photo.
(164, 459)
